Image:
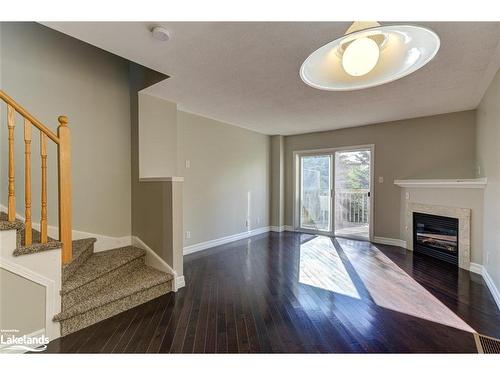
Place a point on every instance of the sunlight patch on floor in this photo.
(321, 267)
(392, 288)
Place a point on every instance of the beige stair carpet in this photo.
(96, 286)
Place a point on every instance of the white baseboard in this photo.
(103, 242)
(179, 282)
(152, 259)
(278, 229)
(155, 261)
(481, 270)
(476, 268)
(223, 240)
(491, 286)
(390, 241)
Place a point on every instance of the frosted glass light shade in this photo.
(403, 49)
(360, 57)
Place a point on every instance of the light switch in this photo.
(381, 180)
(407, 195)
(188, 164)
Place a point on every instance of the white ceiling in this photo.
(247, 74)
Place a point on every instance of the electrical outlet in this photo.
(381, 180)
(188, 164)
(478, 170)
(187, 235)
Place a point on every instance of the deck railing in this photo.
(352, 206)
(63, 141)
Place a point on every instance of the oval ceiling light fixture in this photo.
(369, 55)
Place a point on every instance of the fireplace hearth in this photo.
(436, 236)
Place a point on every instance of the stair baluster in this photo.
(63, 142)
(43, 220)
(28, 237)
(12, 196)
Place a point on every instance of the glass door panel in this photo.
(352, 193)
(315, 192)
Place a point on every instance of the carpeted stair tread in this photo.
(82, 250)
(99, 264)
(139, 280)
(36, 246)
(5, 224)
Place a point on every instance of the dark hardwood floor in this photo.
(298, 293)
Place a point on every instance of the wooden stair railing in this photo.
(63, 141)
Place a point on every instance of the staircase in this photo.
(95, 285)
(99, 285)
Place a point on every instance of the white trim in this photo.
(492, 287)
(290, 228)
(223, 240)
(476, 268)
(51, 293)
(389, 241)
(179, 282)
(103, 242)
(155, 261)
(481, 270)
(32, 334)
(274, 228)
(162, 179)
(473, 183)
(152, 259)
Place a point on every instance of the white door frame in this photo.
(296, 185)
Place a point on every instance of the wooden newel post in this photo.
(65, 214)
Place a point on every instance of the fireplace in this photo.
(436, 236)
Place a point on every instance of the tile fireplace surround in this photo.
(462, 214)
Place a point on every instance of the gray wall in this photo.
(51, 74)
(157, 137)
(488, 158)
(277, 209)
(440, 146)
(228, 180)
(151, 201)
(22, 304)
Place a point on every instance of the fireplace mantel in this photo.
(473, 183)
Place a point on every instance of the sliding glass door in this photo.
(315, 192)
(352, 193)
(334, 192)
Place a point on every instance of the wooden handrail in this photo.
(19, 109)
(63, 141)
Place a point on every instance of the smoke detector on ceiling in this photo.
(160, 33)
